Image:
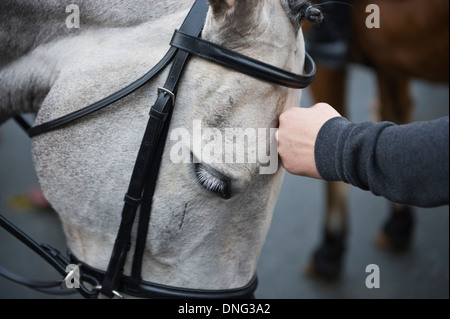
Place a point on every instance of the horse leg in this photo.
(326, 263)
(396, 106)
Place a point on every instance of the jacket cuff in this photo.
(326, 147)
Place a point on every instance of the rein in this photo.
(113, 283)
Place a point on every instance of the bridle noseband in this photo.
(113, 282)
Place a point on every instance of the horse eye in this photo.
(213, 181)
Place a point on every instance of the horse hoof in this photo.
(385, 242)
(326, 263)
(397, 232)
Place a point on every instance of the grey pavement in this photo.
(420, 273)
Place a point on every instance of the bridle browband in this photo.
(112, 282)
(234, 60)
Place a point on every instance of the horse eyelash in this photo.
(212, 183)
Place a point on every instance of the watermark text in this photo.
(72, 280)
(373, 280)
(373, 20)
(73, 20)
(227, 146)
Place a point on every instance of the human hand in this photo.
(297, 134)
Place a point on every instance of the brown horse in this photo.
(412, 41)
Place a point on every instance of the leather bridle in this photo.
(113, 282)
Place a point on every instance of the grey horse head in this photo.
(211, 216)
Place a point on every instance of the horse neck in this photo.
(33, 23)
(38, 37)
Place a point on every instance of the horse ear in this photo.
(220, 7)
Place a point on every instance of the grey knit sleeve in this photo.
(407, 164)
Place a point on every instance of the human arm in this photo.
(407, 164)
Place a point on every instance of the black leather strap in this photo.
(146, 208)
(72, 117)
(53, 257)
(22, 123)
(241, 63)
(158, 115)
(157, 291)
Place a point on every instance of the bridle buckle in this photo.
(167, 92)
(102, 296)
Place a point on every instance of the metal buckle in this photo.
(166, 91)
(101, 296)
